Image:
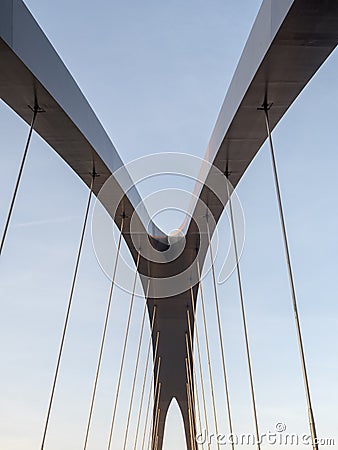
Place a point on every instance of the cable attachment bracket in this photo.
(265, 106)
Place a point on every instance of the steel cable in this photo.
(103, 336)
(123, 353)
(18, 180)
(65, 326)
(219, 326)
(292, 285)
(246, 337)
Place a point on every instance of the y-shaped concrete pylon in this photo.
(289, 41)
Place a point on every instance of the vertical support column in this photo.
(172, 323)
(159, 423)
(189, 425)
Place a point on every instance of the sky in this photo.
(156, 74)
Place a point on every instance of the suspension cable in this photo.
(9, 215)
(155, 383)
(153, 435)
(292, 284)
(103, 335)
(156, 442)
(65, 326)
(123, 353)
(194, 398)
(191, 414)
(227, 395)
(246, 337)
(145, 375)
(208, 353)
(194, 374)
(199, 363)
(136, 366)
(156, 429)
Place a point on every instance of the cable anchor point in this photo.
(265, 106)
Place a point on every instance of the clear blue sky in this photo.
(156, 74)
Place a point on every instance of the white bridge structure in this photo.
(288, 43)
